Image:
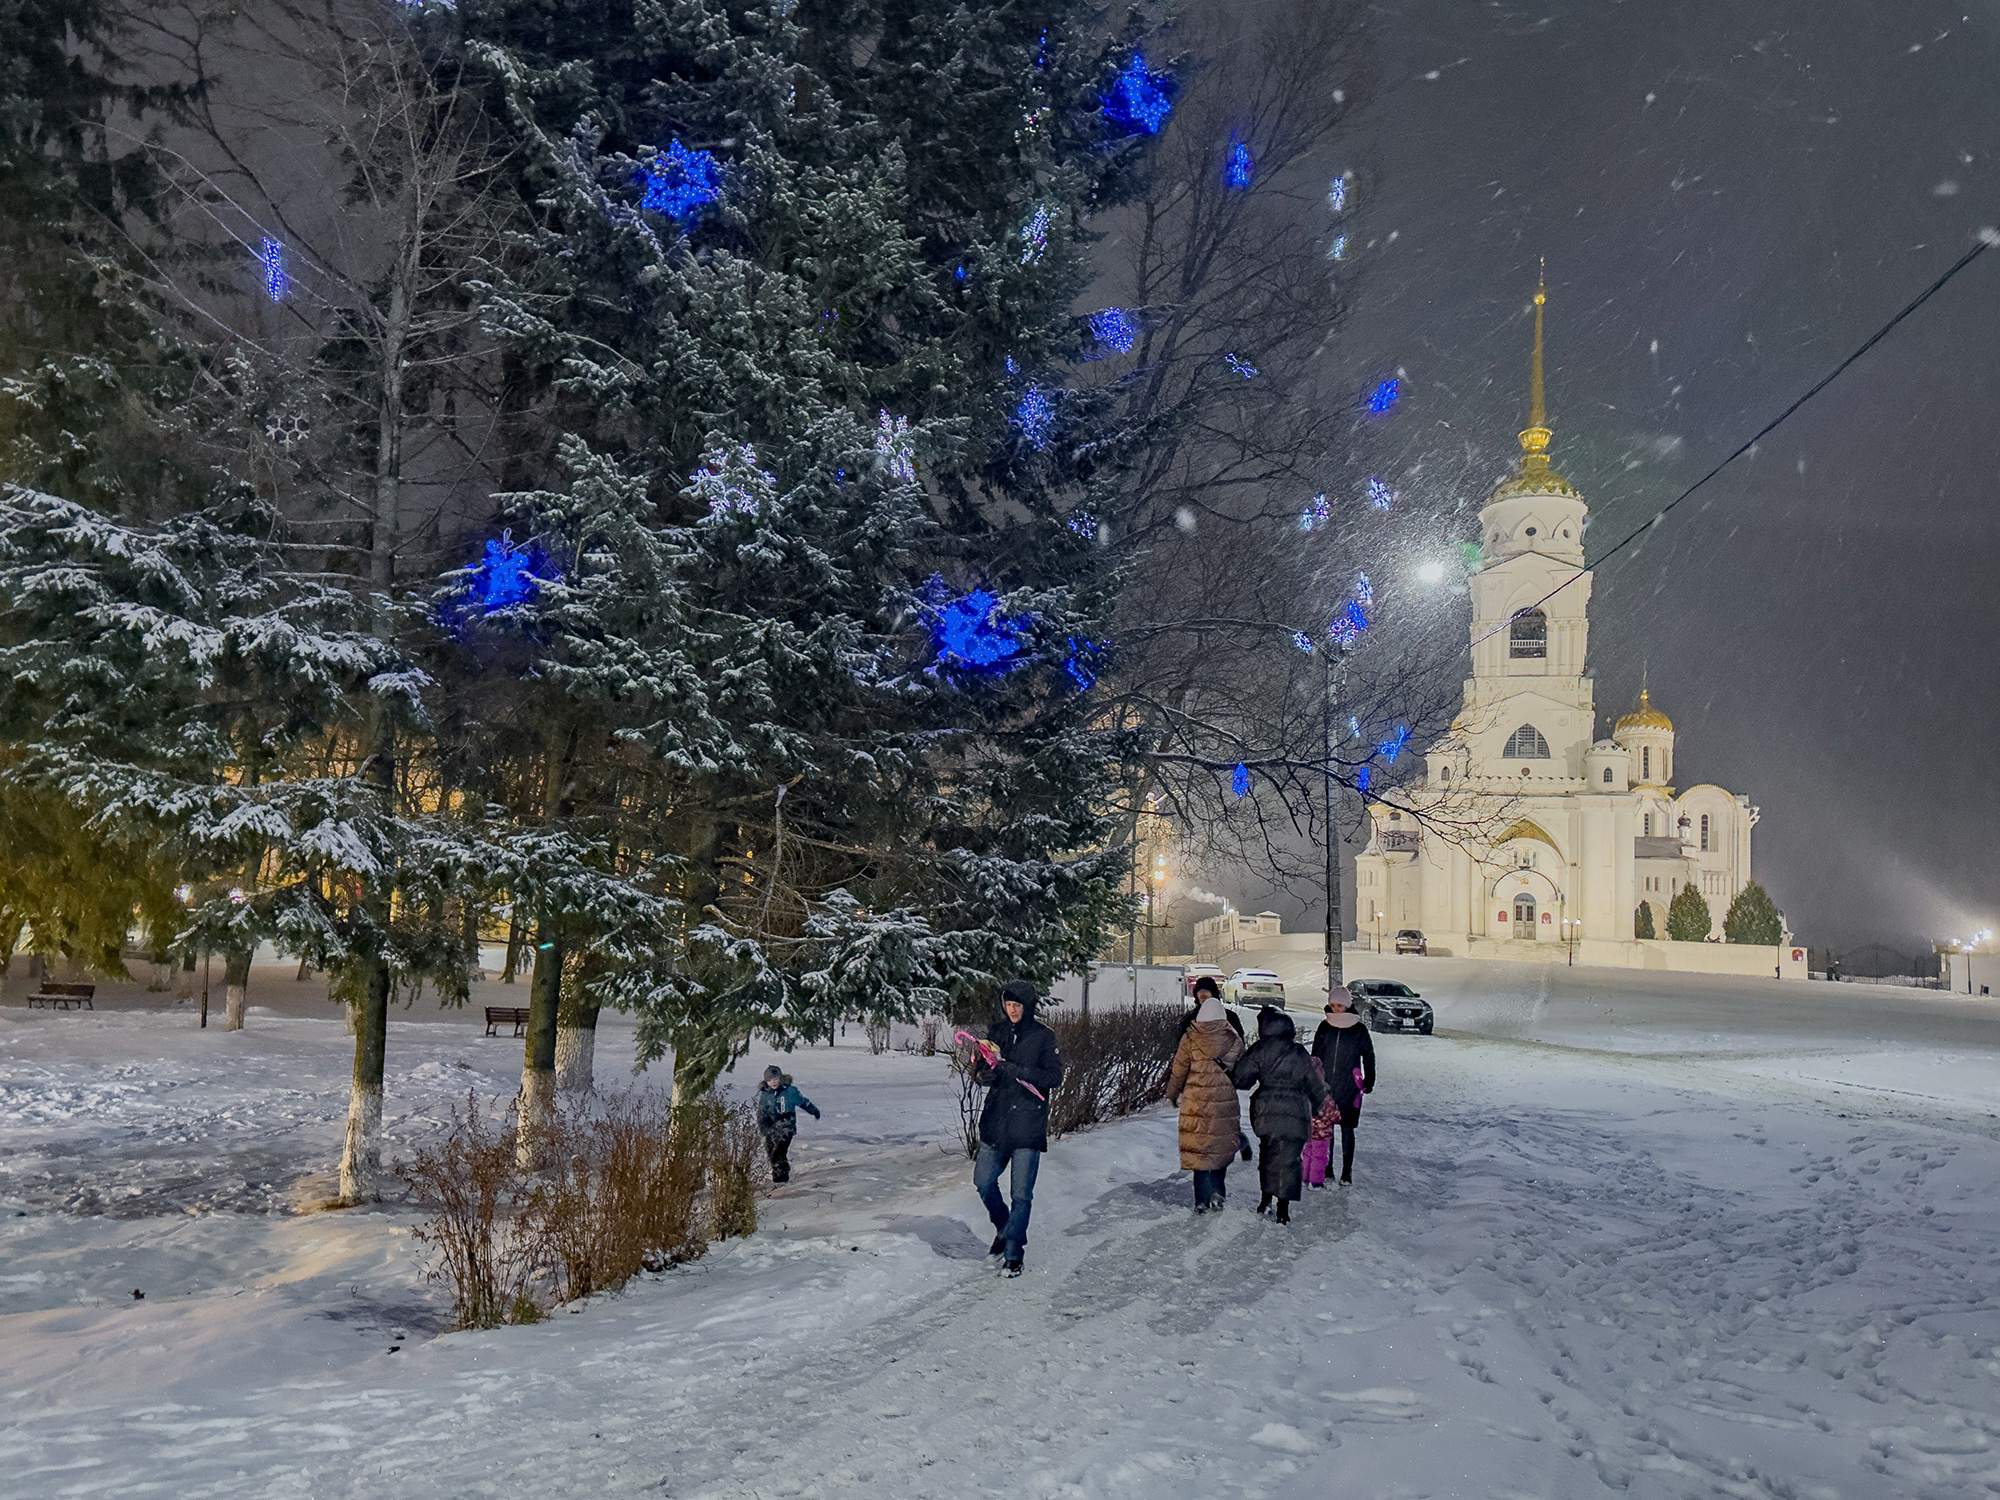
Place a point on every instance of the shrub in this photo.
(1642, 921)
(631, 1184)
(1114, 1061)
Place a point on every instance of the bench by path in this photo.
(63, 997)
(507, 1015)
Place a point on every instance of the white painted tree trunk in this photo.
(235, 998)
(538, 1095)
(576, 1055)
(361, 1161)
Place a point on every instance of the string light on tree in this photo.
(1239, 168)
(1348, 624)
(680, 183)
(1083, 524)
(507, 575)
(1315, 514)
(1336, 194)
(970, 633)
(1364, 592)
(1380, 495)
(1035, 415)
(1394, 745)
(277, 281)
(1241, 366)
(1302, 641)
(1239, 780)
(1035, 236)
(1338, 249)
(1114, 330)
(1138, 102)
(1363, 778)
(729, 481)
(896, 448)
(1081, 663)
(1385, 395)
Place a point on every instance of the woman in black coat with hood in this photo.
(1347, 1053)
(1281, 1111)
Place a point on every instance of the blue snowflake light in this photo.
(1364, 592)
(1338, 249)
(730, 481)
(1348, 624)
(1394, 745)
(1384, 395)
(1336, 194)
(895, 448)
(1380, 495)
(1035, 236)
(1239, 168)
(1302, 641)
(1081, 663)
(1362, 778)
(1239, 780)
(1138, 102)
(507, 575)
(960, 272)
(1315, 514)
(1241, 366)
(973, 635)
(1036, 416)
(1114, 330)
(681, 183)
(1083, 524)
(277, 280)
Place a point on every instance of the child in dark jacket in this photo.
(1289, 1093)
(778, 1106)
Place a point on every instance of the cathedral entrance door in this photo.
(1524, 917)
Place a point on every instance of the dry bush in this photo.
(970, 1097)
(483, 1235)
(631, 1184)
(1114, 1062)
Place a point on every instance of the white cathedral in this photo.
(1534, 831)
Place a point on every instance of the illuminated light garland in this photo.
(1384, 395)
(1239, 168)
(1348, 624)
(724, 498)
(682, 183)
(277, 281)
(1315, 514)
(1394, 745)
(1138, 101)
(1338, 249)
(1302, 641)
(896, 448)
(1036, 416)
(1336, 194)
(1239, 780)
(1364, 592)
(1114, 329)
(1081, 663)
(1362, 778)
(1380, 495)
(1241, 366)
(971, 634)
(507, 575)
(1083, 524)
(1035, 236)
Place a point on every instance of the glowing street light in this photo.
(1431, 572)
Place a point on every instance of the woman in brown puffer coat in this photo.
(1201, 1087)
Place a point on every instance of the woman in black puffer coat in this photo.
(1281, 1111)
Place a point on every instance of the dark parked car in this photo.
(1388, 1005)
(1409, 940)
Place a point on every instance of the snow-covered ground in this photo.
(1614, 1234)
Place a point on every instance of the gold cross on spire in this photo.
(1533, 476)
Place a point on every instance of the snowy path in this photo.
(1564, 1273)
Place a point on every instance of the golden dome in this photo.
(1645, 716)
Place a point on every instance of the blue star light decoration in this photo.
(1384, 395)
(1315, 514)
(1348, 624)
(277, 280)
(681, 183)
(1035, 236)
(1239, 167)
(1035, 415)
(972, 634)
(1138, 103)
(1241, 366)
(1380, 495)
(1114, 330)
(896, 448)
(1239, 780)
(1393, 746)
(507, 575)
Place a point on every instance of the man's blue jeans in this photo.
(1010, 1221)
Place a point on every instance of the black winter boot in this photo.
(1264, 1205)
(1284, 1211)
(1013, 1268)
(999, 1247)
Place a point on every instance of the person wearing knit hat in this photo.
(778, 1106)
(1346, 1053)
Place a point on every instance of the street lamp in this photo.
(1431, 572)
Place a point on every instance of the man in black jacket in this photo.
(1014, 1126)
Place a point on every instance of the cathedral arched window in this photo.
(1526, 743)
(1607, 775)
(1649, 825)
(1528, 636)
(1645, 762)
(1704, 833)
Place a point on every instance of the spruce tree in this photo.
(808, 635)
(1753, 918)
(1688, 919)
(1642, 921)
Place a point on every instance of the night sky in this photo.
(1730, 198)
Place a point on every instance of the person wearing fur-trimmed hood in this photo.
(1347, 1052)
(778, 1106)
(1281, 1111)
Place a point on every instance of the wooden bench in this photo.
(63, 997)
(507, 1015)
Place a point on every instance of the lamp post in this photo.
(1334, 975)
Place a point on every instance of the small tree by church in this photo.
(1642, 921)
(1688, 919)
(1753, 918)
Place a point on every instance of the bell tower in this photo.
(1530, 625)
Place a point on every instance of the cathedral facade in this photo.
(1531, 837)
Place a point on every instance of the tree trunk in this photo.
(361, 1162)
(514, 938)
(538, 1066)
(184, 979)
(236, 989)
(576, 1041)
